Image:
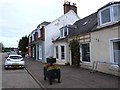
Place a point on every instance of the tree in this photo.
(23, 44)
(1, 46)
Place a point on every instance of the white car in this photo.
(14, 61)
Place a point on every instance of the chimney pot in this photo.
(68, 7)
(69, 3)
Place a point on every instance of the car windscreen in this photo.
(15, 57)
(13, 53)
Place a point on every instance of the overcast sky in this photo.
(20, 17)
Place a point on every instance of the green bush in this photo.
(75, 52)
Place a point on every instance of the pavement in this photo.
(71, 77)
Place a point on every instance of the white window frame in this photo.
(111, 49)
(63, 52)
(100, 17)
(81, 52)
(33, 52)
(113, 11)
(63, 32)
(56, 52)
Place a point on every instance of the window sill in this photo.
(62, 37)
(107, 24)
(86, 63)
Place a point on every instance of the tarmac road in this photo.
(17, 78)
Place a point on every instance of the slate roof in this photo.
(60, 39)
(85, 25)
(110, 3)
(44, 23)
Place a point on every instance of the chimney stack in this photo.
(67, 7)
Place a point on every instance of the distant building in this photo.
(36, 39)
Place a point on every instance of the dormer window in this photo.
(63, 32)
(105, 16)
(109, 15)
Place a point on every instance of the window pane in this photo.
(65, 32)
(116, 47)
(61, 33)
(85, 52)
(56, 48)
(105, 16)
(62, 52)
(62, 56)
(56, 51)
(62, 48)
(116, 10)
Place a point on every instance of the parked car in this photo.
(14, 61)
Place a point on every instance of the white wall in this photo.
(38, 30)
(33, 35)
(29, 38)
(52, 30)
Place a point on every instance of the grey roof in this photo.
(71, 28)
(43, 23)
(46, 23)
(110, 3)
(82, 26)
(60, 39)
(85, 25)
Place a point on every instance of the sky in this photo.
(20, 17)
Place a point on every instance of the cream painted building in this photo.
(99, 40)
(105, 49)
(105, 40)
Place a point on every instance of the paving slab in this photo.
(73, 77)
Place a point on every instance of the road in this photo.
(16, 78)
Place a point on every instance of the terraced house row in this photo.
(97, 34)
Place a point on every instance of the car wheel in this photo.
(23, 67)
(5, 68)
